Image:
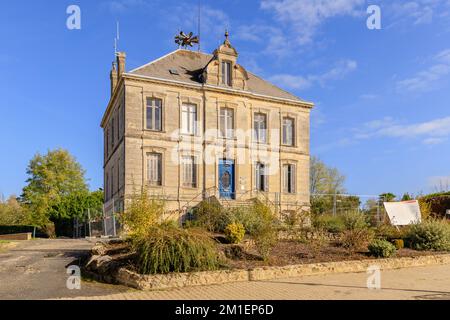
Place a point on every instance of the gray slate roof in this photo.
(190, 65)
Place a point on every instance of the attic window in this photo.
(174, 71)
(226, 73)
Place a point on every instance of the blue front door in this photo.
(226, 179)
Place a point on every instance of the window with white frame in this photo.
(154, 114)
(154, 169)
(226, 123)
(260, 127)
(289, 178)
(189, 172)
(288, 131)
(188, 118)
(226, 73)
(261, 178)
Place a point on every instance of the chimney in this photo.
(113, 77)
(121, 57)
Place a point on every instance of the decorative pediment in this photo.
(223, 69)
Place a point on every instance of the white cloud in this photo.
(341, 69)
(430, 132)
(304, 17)
(428, 79)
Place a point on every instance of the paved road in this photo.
(37, 270)
(422, 283)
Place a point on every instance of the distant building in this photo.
(191, 126)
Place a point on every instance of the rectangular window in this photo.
(111, 190)
(188, 119)
(118, 125)
(189, 170)
(226, 123)
(107, 188)
(107, 141)
(112, 133)
(154, 169)
(288, 131)
(289, 178)
(118, 177)
(260, 127)
(154, 114)
(261, 180)
(226, 73)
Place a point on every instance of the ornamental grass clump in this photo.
(168, 248)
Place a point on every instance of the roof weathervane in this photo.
(186, 40)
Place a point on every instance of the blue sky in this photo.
(382, 96)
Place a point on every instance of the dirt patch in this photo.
(285, 253)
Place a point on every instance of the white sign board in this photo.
(403, 213)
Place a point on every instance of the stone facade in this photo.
(128, 141)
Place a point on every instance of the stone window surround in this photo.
(229, 105)
(266, 112)
(282, 164)
(294, 117)
(154, 95)
(195, 101)
(145, 152)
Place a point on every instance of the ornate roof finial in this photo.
(227, 40)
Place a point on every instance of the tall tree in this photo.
(324, 179)
(12, 213)
(387, 197)
(324, 183)
(51, 178)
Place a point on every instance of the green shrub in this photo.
(246, 216)
(356, 239)
(235, 233)
(264, 229)
(354, 221)
(167, 248)
(429, 235)
(333, 224)
(143, 213)
(381, 248)
(388, 232)
(211, 216)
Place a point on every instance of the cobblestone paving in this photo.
(432, 282)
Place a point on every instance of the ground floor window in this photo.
(289, 178)
(189, 169)
(154, 169)
(261, 180)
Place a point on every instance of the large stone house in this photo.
(191, 126)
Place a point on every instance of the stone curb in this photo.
(180, 280)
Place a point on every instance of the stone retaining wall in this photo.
(157, 282)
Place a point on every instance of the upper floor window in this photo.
(112, 133)
(261, 178)
(226, 73)
(154, 114)
(288, 131)
(226, 122)
(189, 172)
(260, 127)
(154, 169)
(188, 118)
(289, 178)
(107, 141)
